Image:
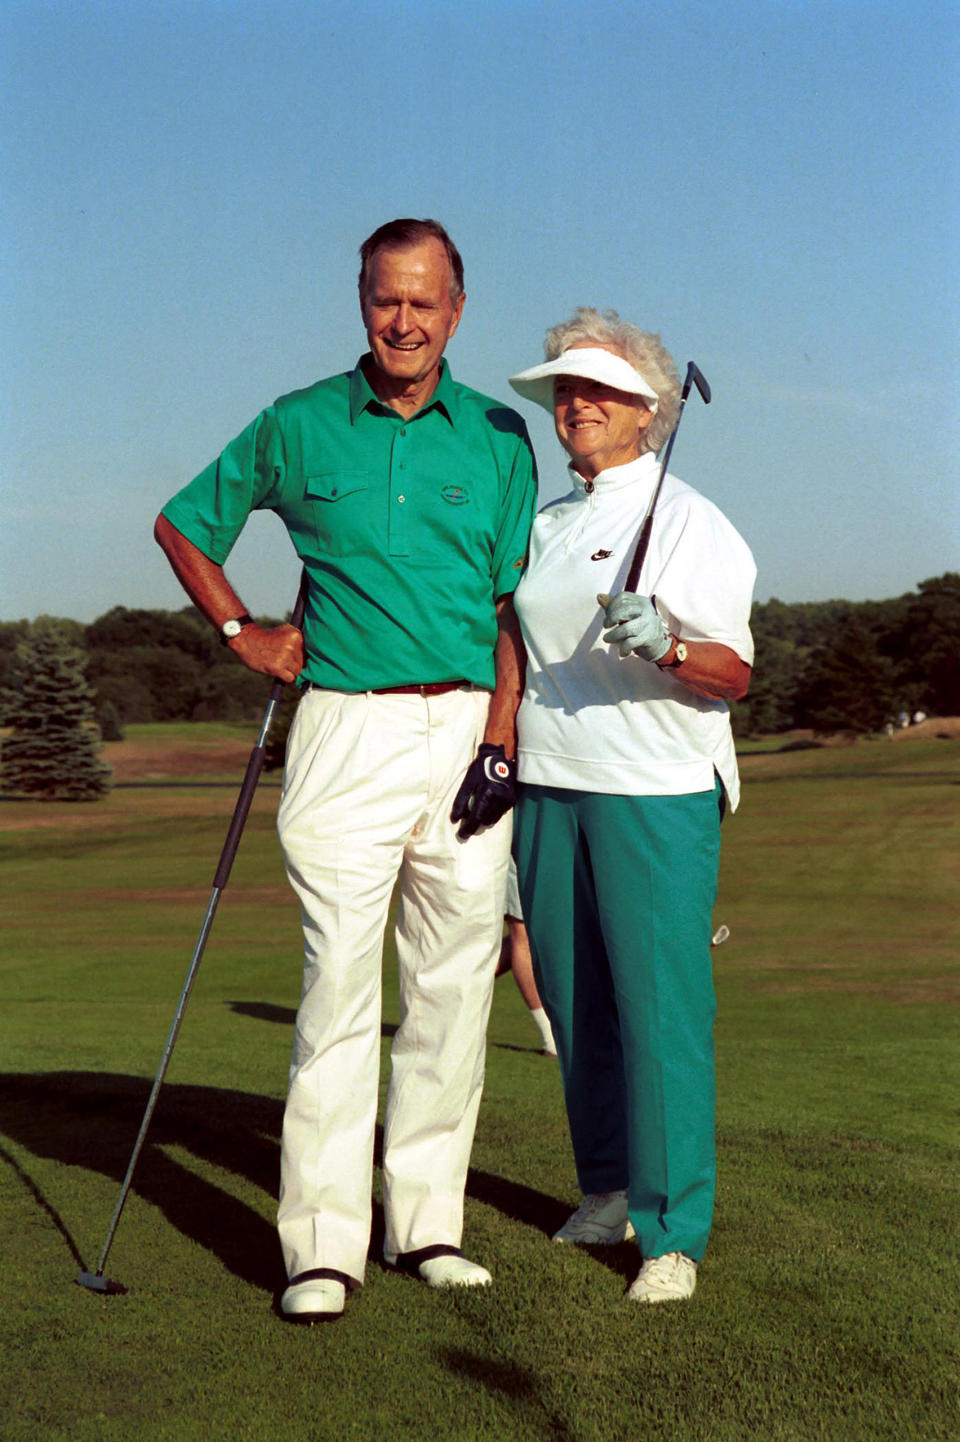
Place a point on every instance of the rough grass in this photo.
(827, 1302)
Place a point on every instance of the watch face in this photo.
(681, 653)
(231, 629)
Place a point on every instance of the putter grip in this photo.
(694, 375)
(639, 555)
(242, 809)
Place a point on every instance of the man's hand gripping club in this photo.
(273, 652)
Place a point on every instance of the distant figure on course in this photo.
(515, 957)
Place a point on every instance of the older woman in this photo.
(626, 762)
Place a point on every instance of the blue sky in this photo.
(772, 186)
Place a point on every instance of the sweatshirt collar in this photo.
(641, 473)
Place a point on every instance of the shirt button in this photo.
(401, 499)
(588, 487)
(403, 430)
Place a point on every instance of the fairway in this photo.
(827, 1303)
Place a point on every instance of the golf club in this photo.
(96, 1281)
(695, 377)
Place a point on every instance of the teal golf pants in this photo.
(617, 894)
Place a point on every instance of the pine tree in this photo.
(51, 753)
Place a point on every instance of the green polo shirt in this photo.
(409, 529)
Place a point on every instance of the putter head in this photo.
(695, 374)
(96, 1282)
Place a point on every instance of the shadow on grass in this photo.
(91, 1120)
(514, 1382)
(285, 1015)
(41, 1202)
(265, 1011)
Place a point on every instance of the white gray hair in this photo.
(645, 351)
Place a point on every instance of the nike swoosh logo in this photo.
(601, 555)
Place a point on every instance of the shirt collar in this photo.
(641, 472)
(362, 397)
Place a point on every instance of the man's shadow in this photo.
(91, 1120)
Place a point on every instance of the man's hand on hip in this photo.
(487, 792)
(277, 652)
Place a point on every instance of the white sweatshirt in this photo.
(591, 721)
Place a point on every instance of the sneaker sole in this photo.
(627, 1235)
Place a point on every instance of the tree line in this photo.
(151, 665)
(829, 665)
(837, 666)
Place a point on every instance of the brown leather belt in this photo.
(433, 688)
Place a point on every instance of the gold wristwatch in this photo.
(679, 650)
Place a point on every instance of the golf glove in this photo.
(636, 625)
(487, 791)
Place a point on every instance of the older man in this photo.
(408, 498)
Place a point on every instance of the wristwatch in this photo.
(232, 628)
(679, 649)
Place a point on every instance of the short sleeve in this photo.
(705, 588)
(513, 533)
(213, 509)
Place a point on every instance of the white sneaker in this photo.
(600, 1219)
(670, 1278)
(320, 1299)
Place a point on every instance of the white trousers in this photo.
(368, 786)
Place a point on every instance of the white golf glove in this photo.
(636, 625)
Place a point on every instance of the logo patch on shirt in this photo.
(601, 555)
(456, 495)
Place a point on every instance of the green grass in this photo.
(169, 731)
(827, 1303)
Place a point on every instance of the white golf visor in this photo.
(536, 384)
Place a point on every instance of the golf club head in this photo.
(695, 374)
(95, 1282)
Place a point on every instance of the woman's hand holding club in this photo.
(636, 625)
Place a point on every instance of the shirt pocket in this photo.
(343, 508)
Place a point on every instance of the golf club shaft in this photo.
(224, 866)
(161, 1073)
(696, 377)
